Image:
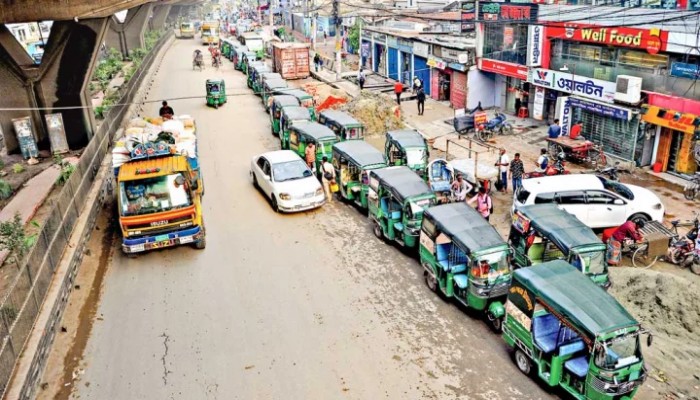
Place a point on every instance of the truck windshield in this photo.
(618, 352)
(153, 195)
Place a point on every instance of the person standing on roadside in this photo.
(517, 169)
(310, 156)
(502, 164)
(317, 61)
(420, 98)
(327, 178)
(361, 78)
(398, 89)
(554, 130)
(484, 204)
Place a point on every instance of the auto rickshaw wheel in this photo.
(522, 362)
(377, 229)
(430, 281)
(496, 323)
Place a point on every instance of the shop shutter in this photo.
(458, 89)
(422, 71)
(393, 63)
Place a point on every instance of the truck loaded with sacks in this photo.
(159, 185)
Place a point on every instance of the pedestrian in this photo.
(398, 89)
(417, 84)
(327, 178)
(166, 111)
(542, 161)
(460, 188)
(484, 203)
(317, 60)
(502, 164)
(361, 78)
(517, 169)
(420, 97)
(325, 36)
(310, 156)
(554, 130)
(576, 131)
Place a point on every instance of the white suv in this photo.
(596, 201)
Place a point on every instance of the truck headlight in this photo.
(285, 196)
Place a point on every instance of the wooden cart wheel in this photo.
(640, 258)
(554, 151)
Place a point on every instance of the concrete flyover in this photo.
(40, 10)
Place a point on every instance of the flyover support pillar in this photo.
(129, 35)
(160, 14)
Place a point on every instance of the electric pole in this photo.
(338, 39)
(269, 11)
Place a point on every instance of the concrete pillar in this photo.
(129, 35)
(61, 80)
(160, 14)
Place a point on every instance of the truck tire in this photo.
(201, 244)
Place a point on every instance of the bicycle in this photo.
(692, 189)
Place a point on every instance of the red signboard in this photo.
(504, 68)
(650, 40)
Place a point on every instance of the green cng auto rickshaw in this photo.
(407, 147)
(343, 124)
(304, 132)
(216, 92)
(465, 258)
(272, 87)
(254, 69)
(278, 103)
(289, 116)
(396, 200)
(261, 78)
(226, 47)
(569, 332)
(352, 161)
(305, 99)
(240, 58)
(544, 232)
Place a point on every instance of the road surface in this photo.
(308, 306)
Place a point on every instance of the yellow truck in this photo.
(187, 30)
(210, 33)
(159, 185)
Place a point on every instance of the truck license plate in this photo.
(185, 239)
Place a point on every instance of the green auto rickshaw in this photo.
(254, 70)
(279, 102)
(216, 92)
(465, 258)
(239, 58)
(291, 115)
(544, 232)
(569, 332)
(352, 161)
(305, 99)
(396, 200)
(304, 132)
(226, 47)
(345, 126)
(270, 88)
(407, 147)
(260, 80)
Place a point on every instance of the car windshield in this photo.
(618, 352)
(491, 266)
(594, 261)
(152, 195)
(290, 170)
(617, 187)
(415, 156)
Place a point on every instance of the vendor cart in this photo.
(579, 151)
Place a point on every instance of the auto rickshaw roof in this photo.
(317, 131)
(360, 152)
(407, 138)
(270, 75)
(562, 228)
(276, 83)
(298, 93)
(260, 68)
(575, 297)
(402, 182)
(215, 81)
(340, 117)
(296, 112)
(465, 226)
(284, 100)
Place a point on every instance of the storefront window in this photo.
(642, 59)
(618, 137)
(505, 43)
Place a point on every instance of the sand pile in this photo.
(376, 111)
(669, 306)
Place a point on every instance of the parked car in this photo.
(595, 200)
(286, 180)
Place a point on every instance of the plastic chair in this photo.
(523, 112)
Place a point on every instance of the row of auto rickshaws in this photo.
(544, 288)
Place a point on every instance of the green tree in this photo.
(14, 239)
(354, 36)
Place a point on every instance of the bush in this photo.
(14, 239)
(67, 169)
(108, 68)
(18, 168)
(5, 190)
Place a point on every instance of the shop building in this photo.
(449, 64)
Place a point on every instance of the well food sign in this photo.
(650, 40)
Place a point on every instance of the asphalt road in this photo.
(308, 306)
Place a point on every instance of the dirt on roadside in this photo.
(668, 305)
(375, 111)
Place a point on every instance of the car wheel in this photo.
(275, 207)
(639, 217)
(255, 181)
(522, 362)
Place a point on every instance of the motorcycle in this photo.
(556, 168)
(611, 172)
(464, 123)
(685, 251)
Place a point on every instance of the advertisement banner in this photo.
(650, 40)
(600, 109)
(576, 84)
(670, 119)
(563, 112)
(538, 105)
(503, 12)
(507, 36)
(57, 134)
(535, 38)
(468, 16)
(25, 137)
(504, 68)
(685, 70)
(436, 62)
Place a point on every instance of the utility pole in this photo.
(269, 12)
(314, 27)
(338, 39)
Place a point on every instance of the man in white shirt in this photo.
(542, 161)
(461, 188)
(502, 164)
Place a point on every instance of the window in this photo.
(261, 162)
(642, 59)
(429, 227)
(522, 195)
(573, 197)
(598, 197)
(544, 198)
(294, 138)
(505, 42)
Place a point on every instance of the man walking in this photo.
(420, 97)
(484, 204)
(398, 89)
(310, 156)
(554, 130)
(502, 164)
(327, 177)
(361, 78)
(317, 61)
(517, 169)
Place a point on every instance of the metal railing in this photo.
(22, 303)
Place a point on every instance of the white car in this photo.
(596, 201)
(287, 181)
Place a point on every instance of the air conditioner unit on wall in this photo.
(628, 89)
